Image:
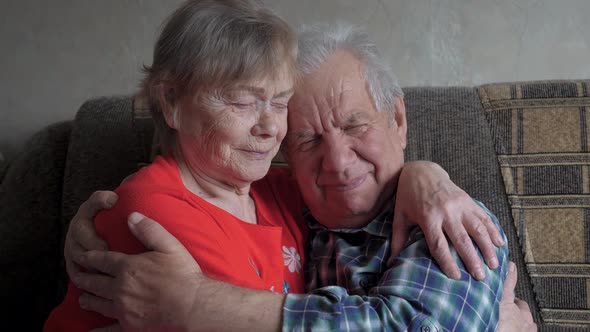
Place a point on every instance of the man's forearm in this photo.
(223, 307)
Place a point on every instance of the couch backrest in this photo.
(521, 140)
(448, 126)
(109, 140)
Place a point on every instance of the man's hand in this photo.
(156, 289)
(515, 314)
(81, 234)
(428, 198)
(164, 289)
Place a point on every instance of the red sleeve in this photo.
(195, 229)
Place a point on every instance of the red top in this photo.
(264, 256)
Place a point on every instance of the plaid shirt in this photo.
(353, 288)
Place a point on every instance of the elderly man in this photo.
(347, 134)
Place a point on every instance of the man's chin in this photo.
(345, 215)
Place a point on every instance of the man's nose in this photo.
(338, 155)
(267, 125)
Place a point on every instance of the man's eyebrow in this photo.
(304, 134)
(356, 117)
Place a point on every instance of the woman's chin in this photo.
(259, 170)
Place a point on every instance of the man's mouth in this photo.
(349, 185)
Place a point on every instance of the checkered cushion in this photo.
(542, 141)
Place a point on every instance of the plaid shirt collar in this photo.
(379, 226)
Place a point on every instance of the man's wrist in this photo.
(425, 166)
(204, 304)
(218, 306)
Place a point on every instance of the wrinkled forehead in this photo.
(265, 84)
(339, 99)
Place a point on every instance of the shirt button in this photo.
(425, 329)
(364, 283)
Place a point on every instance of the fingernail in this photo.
(111, 201)
(494, 263)
(512, 267)
(479, 274)
(135, 218)
(500, 240)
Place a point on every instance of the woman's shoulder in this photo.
(154, 190)
(161, 173)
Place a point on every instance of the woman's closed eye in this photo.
(279, 106)
(243, 105)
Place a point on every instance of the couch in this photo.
(522, 148)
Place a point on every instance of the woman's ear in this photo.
(169, 105)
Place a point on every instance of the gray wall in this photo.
(56, 54)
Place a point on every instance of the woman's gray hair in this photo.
(209, 45)
(318, 42)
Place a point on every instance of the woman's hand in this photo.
(428, 198)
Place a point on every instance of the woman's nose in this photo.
(266, 125)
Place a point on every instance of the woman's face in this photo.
(233, 135)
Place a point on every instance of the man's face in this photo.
(345, 155)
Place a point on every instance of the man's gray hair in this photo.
(318, 42)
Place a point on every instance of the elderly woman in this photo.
(222, 75)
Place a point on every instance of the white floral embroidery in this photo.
(292, 259)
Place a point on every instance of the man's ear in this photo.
(399, 117)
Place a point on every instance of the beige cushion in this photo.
(542, 141)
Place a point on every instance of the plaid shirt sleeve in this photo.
(412, 295)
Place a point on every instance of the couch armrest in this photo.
(30, 228)
(3, 167)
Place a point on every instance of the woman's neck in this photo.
(231, 198)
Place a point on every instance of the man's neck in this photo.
(385, 201)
